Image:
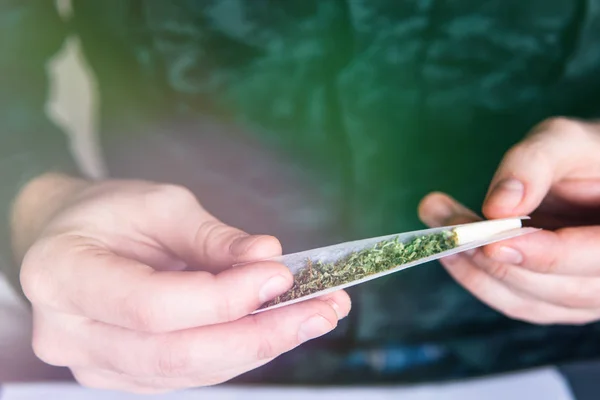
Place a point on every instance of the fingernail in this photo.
(337, 309)
(241, 245)
(313, 327)
(273, 288)
(508, 255)
(508, 193)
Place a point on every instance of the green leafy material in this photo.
(384, 255)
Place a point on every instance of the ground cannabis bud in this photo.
(387, 254)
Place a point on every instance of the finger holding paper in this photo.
(553, 175)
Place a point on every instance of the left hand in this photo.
(551, 276)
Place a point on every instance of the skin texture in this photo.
(548, 277)
(132, 288)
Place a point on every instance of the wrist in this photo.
(36, 203)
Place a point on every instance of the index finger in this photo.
(568, 251)
(209, 352)
(78, 277)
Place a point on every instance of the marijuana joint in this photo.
(387, 254)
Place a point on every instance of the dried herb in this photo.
(384, 255)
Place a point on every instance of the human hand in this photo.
(131, 287)
(551, 276)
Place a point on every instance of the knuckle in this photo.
(171, 362)
(549, 266)
(222, 303)
(34, 278)
(545, 254)
(224, 310)
(215, 236)
(265, 349)
(557, 124)
(208, 232)
(39, 280)
(31, 282)
(564, 128)
(261, 342)
(556, 130)
(328, 313)
(531, 150)
(173, 194)
(499, 271)
(142, 315)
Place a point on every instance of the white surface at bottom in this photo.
(547, 384)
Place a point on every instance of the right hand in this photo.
(132, 288)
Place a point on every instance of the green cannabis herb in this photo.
(384, 255)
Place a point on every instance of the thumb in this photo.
(555, 150)
(204, 242)
(212, 245)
